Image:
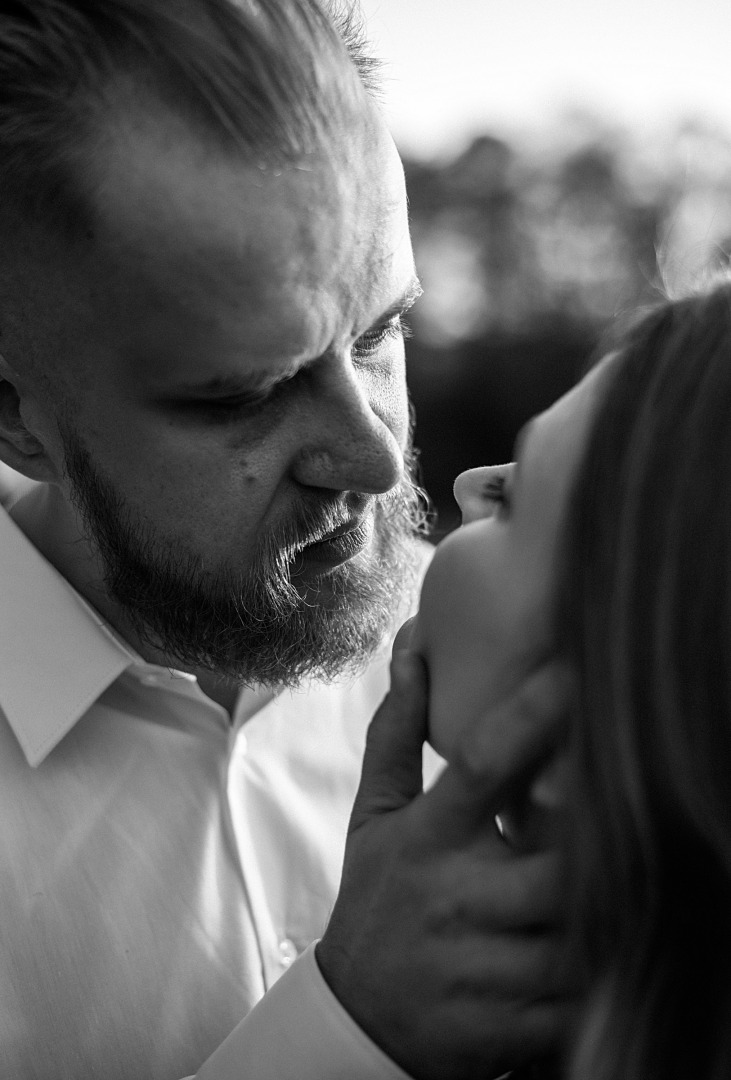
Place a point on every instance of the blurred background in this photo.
(566, 162)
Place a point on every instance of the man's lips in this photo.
(340, 544)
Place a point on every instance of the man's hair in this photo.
(273, 79)
(646, 621)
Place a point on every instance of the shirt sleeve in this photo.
(299, 1031)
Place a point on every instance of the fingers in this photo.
(496, 757)
(513, 967)
(499, 894)
(392, 767)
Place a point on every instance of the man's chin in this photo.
(318, 610)
(325, 622)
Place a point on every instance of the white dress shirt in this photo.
(163, 867)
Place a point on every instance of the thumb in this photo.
(392, 766)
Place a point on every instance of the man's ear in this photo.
(20, 446)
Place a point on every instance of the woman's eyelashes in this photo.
(495, 490)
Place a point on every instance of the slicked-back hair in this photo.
(646, 621)
(273, 79)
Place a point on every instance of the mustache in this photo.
(311, 524)
(317, 519)
(260, 622)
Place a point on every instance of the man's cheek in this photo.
(385, 388)
(393, 410)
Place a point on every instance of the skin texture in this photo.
(202, 281)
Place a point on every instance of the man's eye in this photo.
(229, 406)
(225, 409)
(370, 342)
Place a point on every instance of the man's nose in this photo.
(477, 491)
(352, 444)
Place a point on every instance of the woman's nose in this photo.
(480, 491)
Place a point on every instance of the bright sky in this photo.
(458, 67)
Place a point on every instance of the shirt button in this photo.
(287, 952)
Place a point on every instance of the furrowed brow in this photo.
(411, 294)
(241, 383)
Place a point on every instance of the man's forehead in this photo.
(161, 192)
(268, 260)
(158, 149)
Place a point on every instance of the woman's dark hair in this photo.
(645, 617)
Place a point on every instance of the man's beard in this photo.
(268, 625)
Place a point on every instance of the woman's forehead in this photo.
(566, 421)
(554, 442)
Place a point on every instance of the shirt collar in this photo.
(57, 656)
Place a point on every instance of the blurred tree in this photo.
(529, 263)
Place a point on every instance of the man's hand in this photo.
(445, 945)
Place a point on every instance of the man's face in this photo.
(232, 392)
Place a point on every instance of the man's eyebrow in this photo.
(406, 301)
(240, 382)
